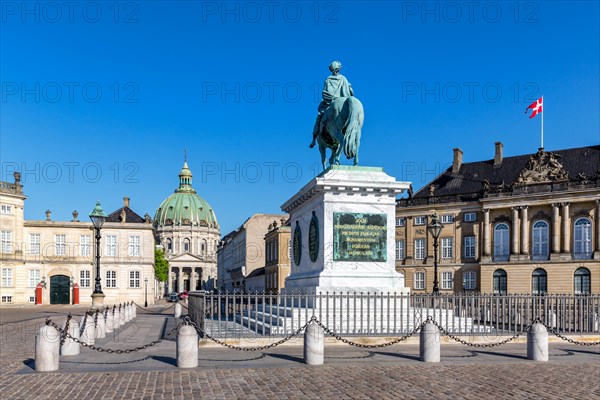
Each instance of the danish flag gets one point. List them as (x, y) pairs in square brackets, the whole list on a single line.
[(536, 106)]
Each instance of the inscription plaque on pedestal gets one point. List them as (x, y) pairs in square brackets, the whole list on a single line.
[(359, 237)]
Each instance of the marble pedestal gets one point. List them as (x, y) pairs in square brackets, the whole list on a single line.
[(343, 232)]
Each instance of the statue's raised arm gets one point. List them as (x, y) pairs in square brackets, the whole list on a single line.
[(339, 118)]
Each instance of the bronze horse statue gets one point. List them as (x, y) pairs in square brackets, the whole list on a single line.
[(341, 129)]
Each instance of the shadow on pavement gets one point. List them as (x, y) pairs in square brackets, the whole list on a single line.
[(287, 357)]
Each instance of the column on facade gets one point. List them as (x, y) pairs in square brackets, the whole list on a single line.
[(555, 229), (524, 230), (566, 228), (486, 233), (193, 279), (170, 280), (180, 280), (515, 231), (409, 246), (597, 219)]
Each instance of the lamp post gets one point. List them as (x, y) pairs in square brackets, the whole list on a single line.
[(146, 294), (98, 218), (435, 229)]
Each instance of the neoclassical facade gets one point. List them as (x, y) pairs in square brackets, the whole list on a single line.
[(59, 255), (187, 229), (523, 224)]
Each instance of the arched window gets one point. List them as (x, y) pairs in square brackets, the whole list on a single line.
[(582, 239), (540, 236), (539, 282), (203, 247), (499, 281), (582, 281), (501, 242), (186, 245), (169, 245)]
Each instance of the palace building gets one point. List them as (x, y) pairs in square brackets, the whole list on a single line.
[(522, 224), (187, 229), (60, 255)]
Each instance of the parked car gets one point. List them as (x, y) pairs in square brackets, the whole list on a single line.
[(183, 295), (173, 297)]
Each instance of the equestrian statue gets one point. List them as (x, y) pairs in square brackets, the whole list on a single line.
[(339, 120)]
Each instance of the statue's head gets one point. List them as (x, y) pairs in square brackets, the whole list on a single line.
[(335, 67)]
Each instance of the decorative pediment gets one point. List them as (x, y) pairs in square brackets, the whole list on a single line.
[(541, 168)]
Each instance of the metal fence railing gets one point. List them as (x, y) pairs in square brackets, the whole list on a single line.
[(231, 315)]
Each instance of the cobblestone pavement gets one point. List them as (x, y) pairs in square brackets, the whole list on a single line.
[(573, 372)]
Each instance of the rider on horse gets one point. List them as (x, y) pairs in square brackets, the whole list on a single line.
[(336, 85)]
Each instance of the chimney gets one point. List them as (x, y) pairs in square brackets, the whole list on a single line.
[(457, 162), (498, 155), (125, 201)]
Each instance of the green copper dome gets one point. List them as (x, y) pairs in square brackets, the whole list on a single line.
[(185, 207)]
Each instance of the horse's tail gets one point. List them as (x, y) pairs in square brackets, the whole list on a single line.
[(353, 127)]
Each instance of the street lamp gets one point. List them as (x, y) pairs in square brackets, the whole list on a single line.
[(435, 229), (146, 300), (98, 218)]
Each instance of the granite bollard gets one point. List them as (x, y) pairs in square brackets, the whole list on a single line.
[(109, 321), (122, 315), (70, 347), (47, 349), (314, 345), (88, 336), (537, 342), (134, 310), (100, 332), (429, 344), (177, 310), (187, 347)]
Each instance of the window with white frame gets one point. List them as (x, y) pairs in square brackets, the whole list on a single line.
[(60, 247), (447, 247), (5, 209), (85, 278), (34, 277), (400, 221), (134, 246), (7, 299), (34, 243), (6, 239), (400, 254), (501, 245), (447, 218), (111, 245), (134, 279), (7, 277), (419, 249), (470, 217), (111, 279), (469, 280), (539, 247), (582, 238), (446, 280), (421, 220), (469, 247), (84, 245), (420, 280)]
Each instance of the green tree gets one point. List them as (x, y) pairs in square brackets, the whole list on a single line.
[(161, 266)]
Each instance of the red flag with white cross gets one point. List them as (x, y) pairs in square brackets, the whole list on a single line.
[(536, 106)]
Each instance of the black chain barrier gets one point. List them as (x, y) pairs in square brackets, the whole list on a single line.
[(182, 305), (479, 345), (567, 339), (110, 351), (63, 337), (96, 320), (367, 346), (189, 321)]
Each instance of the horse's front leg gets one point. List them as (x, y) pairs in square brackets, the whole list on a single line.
[(336, 153), (323, 151)]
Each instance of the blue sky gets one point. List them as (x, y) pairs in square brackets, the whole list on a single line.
[(99, 99)]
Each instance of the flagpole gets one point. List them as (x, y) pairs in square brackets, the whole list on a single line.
[(543, 109)]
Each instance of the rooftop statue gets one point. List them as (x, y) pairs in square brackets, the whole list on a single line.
[(339, 119)]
